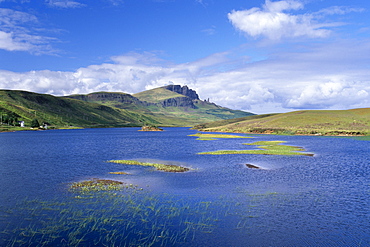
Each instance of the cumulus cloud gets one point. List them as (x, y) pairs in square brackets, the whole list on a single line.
[(17, 35), (275, 20), (275, 84), (330, 95)]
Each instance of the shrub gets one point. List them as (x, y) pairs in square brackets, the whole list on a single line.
[(35, 123)]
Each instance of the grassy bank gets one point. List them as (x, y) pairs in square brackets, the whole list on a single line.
[(355, 122)]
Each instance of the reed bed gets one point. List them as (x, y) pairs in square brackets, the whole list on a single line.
[(101, 218), (131, 217)]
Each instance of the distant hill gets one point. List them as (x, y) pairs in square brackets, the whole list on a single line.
[(313, 122), (59, 111), (157, 107), (171, 105)]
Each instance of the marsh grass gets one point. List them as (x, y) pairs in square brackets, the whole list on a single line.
[(160, 167), (211, 137), (133, 218), (265, 148)]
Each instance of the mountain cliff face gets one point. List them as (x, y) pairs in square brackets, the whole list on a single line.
[(183, 90), (178, 102), (108, 96), (122, 100)]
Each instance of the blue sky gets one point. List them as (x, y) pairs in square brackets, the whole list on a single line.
[(257, 55)]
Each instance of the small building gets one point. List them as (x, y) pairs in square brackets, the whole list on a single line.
[(21, 123)]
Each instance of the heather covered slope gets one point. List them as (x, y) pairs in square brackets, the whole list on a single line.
[(316, 122)]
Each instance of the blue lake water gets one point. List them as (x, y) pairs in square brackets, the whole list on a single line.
[(320, 200)]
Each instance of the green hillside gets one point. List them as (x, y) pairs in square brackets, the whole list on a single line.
[(61, 112), (107, 109), (315, 122), (169, 108), (156, 95)]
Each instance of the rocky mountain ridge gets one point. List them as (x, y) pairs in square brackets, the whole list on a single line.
[(184, 90), (182, 97)]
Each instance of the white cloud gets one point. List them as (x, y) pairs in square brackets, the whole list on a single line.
[(7, 42), (64, 4), (16, 35), (332, 94), (338, 10), (325, 76), (210, 31), (275, 20)]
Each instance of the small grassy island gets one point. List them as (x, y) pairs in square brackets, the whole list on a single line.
[(96, 185), (159, 167), (150, 128), (210, 137), (266, 148), (119, 173)]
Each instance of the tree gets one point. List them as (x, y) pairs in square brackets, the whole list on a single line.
[(35, 123)]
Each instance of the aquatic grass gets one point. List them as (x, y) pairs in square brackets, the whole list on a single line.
[(265, 148), (133, 218), (211, 137), (160, 167)]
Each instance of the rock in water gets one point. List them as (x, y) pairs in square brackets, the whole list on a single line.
[(150, 128), (252, 166)]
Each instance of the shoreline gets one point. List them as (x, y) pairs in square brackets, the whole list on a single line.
[(287, 134), (340, 133)]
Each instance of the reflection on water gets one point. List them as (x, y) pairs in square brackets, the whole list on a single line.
[(293, 201)]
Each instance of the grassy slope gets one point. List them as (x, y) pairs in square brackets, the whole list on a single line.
[(204, 111), (354, 122), (156, 95), (63, 111), (176, 116), (230, 121)]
